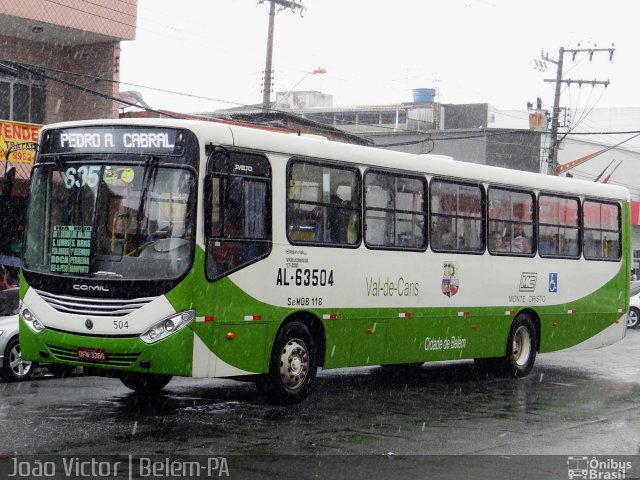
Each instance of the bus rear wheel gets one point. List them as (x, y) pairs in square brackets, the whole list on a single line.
[(145, 383), (521, 347), (521, 350), (292, 367)]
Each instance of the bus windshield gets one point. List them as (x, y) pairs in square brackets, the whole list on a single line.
[(97, 220)]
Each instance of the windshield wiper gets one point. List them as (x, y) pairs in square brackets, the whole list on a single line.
[(59, 163), (148, 178), (60, 166)]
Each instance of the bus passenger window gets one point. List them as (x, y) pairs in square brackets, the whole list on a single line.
[(511, 213), (457, 217), (323, 204), (395, 211), (558, 226), (602, 232)]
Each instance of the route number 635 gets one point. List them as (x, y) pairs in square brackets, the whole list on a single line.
[(84, 175)]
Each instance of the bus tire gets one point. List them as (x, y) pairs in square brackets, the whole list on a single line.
[(520, 352), (521, 347), (145, 383), (292, 366)]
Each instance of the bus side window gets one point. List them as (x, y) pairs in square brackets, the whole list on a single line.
[(323, 204), (558, 226), (602, 234), (395, 211), (513, 214), (457, 216)]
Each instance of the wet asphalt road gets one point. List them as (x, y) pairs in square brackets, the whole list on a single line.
[(579, 403)]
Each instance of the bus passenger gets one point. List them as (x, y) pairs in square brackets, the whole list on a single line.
[(6, 279), (521, 244), (496, 243), (443, 236), (548, 245)]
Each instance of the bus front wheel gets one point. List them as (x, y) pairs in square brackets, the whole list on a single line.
[(292, 367), (145, 383)]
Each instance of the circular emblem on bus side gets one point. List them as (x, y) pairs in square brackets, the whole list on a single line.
[(88, 323)]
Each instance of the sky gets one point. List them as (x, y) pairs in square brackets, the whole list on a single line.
[(204, 55)]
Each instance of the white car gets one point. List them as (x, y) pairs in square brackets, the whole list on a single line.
[(633, 318), (12, 367)]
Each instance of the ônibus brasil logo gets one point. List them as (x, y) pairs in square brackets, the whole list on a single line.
[(593, 468)]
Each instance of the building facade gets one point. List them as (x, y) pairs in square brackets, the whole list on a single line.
[(60, 60)]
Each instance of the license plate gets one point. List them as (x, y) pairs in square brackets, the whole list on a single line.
[(91, 354)]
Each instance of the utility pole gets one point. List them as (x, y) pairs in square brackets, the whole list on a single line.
[(554, 143), (268, 71)]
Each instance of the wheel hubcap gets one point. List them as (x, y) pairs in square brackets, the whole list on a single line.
[(294, 364), (521, 346), (19, 366), (632, 320)]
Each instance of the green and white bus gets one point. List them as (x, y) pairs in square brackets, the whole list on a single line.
[(157, 248)]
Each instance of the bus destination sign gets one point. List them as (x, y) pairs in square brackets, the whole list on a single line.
[(137, 140), (70, 249)]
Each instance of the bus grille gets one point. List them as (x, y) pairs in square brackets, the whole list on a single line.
[(113, 359), (94, 306)]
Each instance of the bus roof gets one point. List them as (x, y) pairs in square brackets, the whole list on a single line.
[(432, 165)]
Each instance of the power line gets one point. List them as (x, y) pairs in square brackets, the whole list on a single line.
[(92, 13), (111, 9), (83, 89), (478, 136)]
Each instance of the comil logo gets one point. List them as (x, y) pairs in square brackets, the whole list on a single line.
[(90, 288), (595, 468), (528, 281)]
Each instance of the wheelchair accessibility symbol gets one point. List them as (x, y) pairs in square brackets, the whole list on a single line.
[(553, 282)]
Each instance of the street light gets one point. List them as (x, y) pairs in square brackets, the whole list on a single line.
[(315, 71)]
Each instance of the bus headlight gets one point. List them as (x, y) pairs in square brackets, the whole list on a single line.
[(31, 320), (167, 326)]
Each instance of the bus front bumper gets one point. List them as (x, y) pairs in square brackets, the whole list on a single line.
[(172, 355)]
